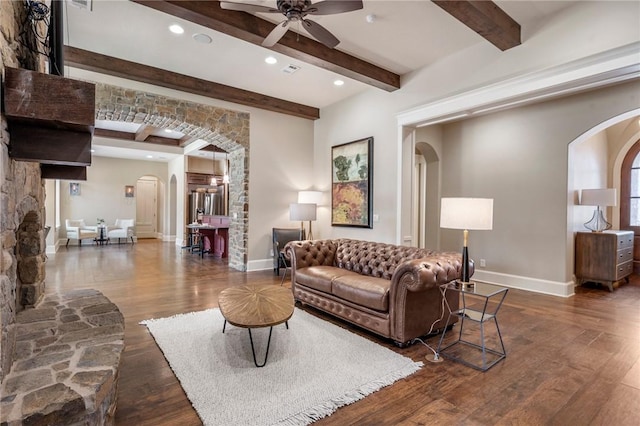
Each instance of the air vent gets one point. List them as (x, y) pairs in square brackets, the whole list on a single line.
[(290, 69), (82, 4)]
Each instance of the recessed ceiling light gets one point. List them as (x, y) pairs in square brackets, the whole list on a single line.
[(202, 38), (149, 156), (271, 60), (338, 82), (168, 130), (176, 29)]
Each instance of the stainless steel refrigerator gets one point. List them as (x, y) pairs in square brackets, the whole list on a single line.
[(206, 203)]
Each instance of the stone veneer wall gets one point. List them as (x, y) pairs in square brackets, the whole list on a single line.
[(22, 214), (224, 128)]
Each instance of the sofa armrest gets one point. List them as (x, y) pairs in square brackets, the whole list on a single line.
[(310, 253)]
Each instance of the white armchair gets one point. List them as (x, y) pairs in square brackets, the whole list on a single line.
[(78, 230), (124, 228)]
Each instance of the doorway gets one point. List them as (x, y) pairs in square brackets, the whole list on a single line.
[(147, 207), (423, 166)]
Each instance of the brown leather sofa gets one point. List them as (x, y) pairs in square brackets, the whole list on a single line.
[(390, 290)]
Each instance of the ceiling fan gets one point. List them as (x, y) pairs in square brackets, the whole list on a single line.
[(295, 11)]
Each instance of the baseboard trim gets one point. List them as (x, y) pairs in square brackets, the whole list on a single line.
[(260, 265), (553, 288)]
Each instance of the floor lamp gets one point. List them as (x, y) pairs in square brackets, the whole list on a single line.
[(467, 214), (302, 212), (600, 198), (310, 197)]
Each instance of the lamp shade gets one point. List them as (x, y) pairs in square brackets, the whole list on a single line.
[(302, 211), (310, 197), (466, 213), (598, 197)]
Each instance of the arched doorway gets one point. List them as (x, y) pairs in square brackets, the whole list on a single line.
[(173, 206), (223, 128), (426, 196), (420, 188)]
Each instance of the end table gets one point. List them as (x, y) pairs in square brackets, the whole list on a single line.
[(102, 238), (480, 303)]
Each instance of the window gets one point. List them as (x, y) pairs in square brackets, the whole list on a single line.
[(630, 190)]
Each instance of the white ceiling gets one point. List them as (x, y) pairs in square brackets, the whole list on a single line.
[(404, 36)]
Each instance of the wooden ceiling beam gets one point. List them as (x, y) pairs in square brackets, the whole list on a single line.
[(143, 133), (148, 137), (486, 19), (159, 140), (250, 28), (109, 65), (114, 134)]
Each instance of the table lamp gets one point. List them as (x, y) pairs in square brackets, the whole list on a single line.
[(467, 214), (600, 198)]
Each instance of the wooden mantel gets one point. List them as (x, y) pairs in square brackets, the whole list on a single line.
[(50, 118)]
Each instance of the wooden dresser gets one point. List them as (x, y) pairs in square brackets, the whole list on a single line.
[(604, 257)]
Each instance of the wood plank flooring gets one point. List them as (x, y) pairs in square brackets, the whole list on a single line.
[(572, 361)]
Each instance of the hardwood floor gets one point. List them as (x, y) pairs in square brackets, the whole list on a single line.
[(569, 361)]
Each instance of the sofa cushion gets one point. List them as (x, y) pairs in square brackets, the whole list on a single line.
[(319, 277), (363, 290)]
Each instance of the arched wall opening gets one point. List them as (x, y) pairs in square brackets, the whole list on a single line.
[(419, 207), (595, 161), (173, 206), (226, 129)]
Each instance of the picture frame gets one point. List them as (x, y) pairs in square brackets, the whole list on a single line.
[(129, 191), (74, 189), (352, 184)]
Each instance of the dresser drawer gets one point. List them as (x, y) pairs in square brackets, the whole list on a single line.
[(625, 239), (623, 270), (625, 255)]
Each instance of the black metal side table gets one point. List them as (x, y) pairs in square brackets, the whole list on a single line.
[(480, 304), (102, 238)]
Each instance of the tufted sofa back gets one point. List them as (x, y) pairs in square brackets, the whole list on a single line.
[(374, 259)]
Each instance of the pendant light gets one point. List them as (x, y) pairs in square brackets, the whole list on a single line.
[(214, 181), (225, 178)]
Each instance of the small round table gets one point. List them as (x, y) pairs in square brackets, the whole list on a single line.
[(255, 306)]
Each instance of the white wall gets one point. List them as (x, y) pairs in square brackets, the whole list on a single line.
[(281, 158), (102, 194), (519, 157)]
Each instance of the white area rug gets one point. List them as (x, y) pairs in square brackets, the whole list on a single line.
[(313, 368)]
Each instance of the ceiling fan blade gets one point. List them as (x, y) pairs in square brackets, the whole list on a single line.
[(320, 33), (276, 34), (330, 7), (244, 7)]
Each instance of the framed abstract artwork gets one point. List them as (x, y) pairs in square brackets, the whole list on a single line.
[(352, 183)]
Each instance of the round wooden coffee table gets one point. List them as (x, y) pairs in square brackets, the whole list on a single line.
[(255, 306)]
